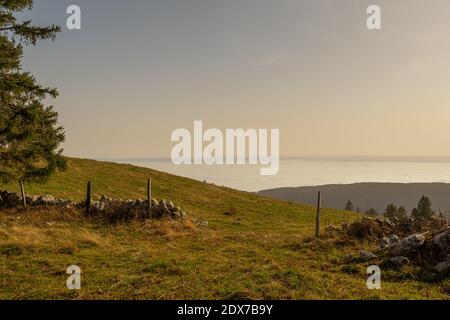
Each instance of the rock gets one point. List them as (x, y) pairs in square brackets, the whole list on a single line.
[(101, 205), (443, 267), (389, 242), (163, 207), (442, 241), (70, 205), (45, 200), (348, 258), (96, 205), (400, 261), (391, 222), (176, 215), (366, 255), (12, 200), (49, 199), (408, 245), (60, 202)]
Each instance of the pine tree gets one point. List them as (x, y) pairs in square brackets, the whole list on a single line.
[(423, 209), (401, 212), (372, 212), (349, 206), (29, 134), (391, 211)]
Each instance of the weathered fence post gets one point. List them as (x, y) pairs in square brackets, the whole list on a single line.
[(24, 199), (149, 198), (319, 200), (88, 198)]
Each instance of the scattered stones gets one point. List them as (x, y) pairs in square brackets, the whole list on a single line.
[(373, 229), (416, 241)]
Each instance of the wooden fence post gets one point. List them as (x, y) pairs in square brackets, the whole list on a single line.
[(24, 199), (149, 198), (319, 200), (88, 198)]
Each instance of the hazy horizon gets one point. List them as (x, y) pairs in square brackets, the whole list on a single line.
[(318, 158), (306, 172)]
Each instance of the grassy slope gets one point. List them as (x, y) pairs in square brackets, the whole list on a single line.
[(264, 250)]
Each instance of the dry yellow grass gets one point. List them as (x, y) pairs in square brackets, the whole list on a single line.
[(263, 250)]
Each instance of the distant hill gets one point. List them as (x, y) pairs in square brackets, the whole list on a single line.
[(368, 195)]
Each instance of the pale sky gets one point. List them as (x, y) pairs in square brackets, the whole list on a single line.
[(140, 69)]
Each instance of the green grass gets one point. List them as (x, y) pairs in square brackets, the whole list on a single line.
[(262, 250)]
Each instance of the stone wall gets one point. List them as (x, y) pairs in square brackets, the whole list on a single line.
[(117, 209), (108, 208), (11, 200)]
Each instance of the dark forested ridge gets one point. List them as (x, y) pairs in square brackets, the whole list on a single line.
[(368, 195)]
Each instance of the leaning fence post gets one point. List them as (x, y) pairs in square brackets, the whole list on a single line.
[(319, 200), (24, 199), (88, 198), (149, 198)]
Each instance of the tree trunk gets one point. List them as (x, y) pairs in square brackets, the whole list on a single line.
[(24, 199)]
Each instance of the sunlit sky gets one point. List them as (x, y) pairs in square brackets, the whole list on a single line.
[(140, 69)]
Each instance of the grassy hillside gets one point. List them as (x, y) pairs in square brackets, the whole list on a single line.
[(253, 246)]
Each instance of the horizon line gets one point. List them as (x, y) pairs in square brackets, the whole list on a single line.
[(306, 158)]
